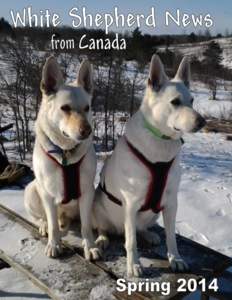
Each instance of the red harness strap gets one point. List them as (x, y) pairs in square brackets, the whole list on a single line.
[(71, 179), (159, 174)]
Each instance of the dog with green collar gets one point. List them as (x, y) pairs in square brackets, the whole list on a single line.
[(143, 173)]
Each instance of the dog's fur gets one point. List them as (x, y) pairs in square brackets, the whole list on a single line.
[(64, 120), (167, 105)]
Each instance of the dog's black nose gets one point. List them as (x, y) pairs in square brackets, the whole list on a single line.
[(200, 123), (85, 131)]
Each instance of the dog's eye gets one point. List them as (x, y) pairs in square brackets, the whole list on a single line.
[(176, 102), (86, 109), (66, 108), (191, 101)]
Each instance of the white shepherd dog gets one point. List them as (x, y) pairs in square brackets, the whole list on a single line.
[(64, 159), (142, 176)]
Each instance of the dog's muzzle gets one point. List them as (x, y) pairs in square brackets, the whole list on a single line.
[(84, 132)]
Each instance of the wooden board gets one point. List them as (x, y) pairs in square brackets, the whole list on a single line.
[(22, 288), (65, 278), (203, 261)]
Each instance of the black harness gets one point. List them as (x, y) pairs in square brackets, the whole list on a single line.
[(71, 178), (158, 178)]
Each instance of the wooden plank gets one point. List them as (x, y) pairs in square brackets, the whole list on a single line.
[(63, 278), (33, 228), (22, 288), (204, 262), (27, 273)]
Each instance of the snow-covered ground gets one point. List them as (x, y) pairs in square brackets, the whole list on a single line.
[(218, 109), (21, 289), (205, 196)]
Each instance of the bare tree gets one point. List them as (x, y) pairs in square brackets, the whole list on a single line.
[(20, 88)]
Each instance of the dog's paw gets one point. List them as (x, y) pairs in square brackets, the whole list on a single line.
[(95, 253), (134, 270), (53, 249), (151, 238), (102, 242), (177, 264), (90, 252), (43, 228)]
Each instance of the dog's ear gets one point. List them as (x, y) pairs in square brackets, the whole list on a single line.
[(52, 77), (85, 76), (183, 72), (157, 76)]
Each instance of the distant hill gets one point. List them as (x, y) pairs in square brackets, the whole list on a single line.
[(197, 49)]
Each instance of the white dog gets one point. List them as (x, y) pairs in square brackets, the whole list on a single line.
[(142, 176), (64, 159)]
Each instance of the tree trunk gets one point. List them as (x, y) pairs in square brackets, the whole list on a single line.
[(106, 104)]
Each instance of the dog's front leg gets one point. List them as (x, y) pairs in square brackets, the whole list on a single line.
[(53, 247), (90, 249), (169, 216), (133, 266)]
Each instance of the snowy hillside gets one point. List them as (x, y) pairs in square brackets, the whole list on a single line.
[(197, 49), (220, 109)]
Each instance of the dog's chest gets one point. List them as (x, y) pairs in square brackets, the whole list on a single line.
[(135, 178), (60, 181), (159, 186)]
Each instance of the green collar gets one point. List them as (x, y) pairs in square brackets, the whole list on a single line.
[(155, 131)]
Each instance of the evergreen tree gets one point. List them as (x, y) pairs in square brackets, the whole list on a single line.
[(213, 57), (5, 27), (212, 66), (192, 38)]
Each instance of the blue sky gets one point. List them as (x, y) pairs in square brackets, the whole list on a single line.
[(220, 11)]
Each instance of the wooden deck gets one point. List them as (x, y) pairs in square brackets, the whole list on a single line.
[(71, 277)]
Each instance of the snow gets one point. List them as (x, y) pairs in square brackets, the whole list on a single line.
[(21, 289), (197, 50), (66, 278), (221, 108), (101, 292), (205, 197)]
